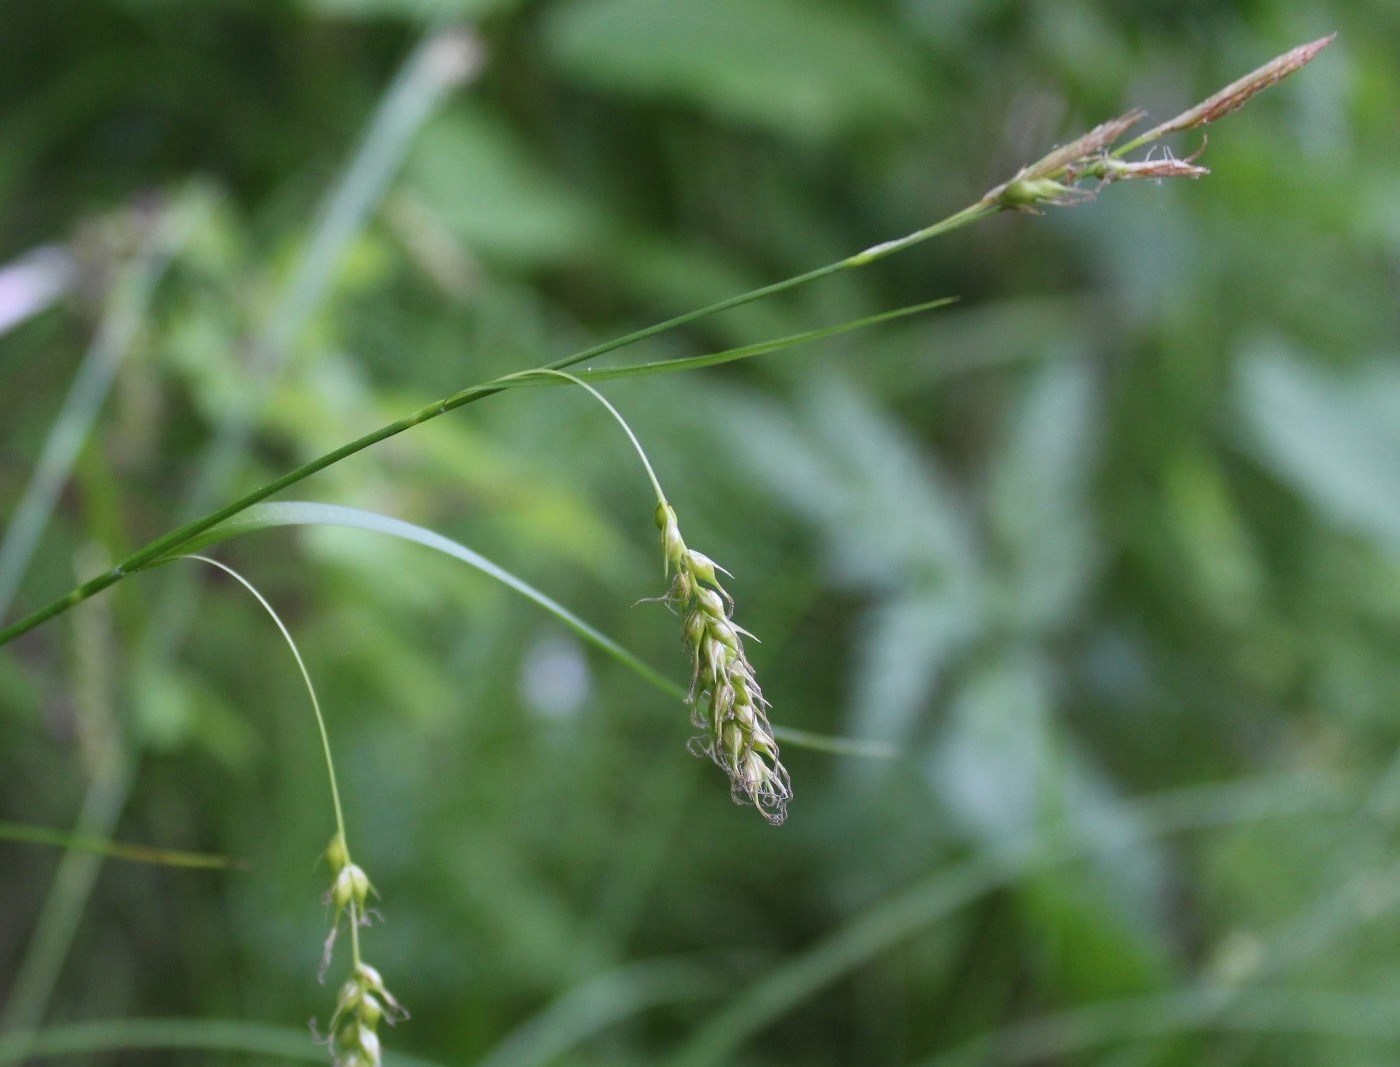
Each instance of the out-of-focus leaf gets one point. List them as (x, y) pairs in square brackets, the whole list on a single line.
[(884, 509), (470, 170), (526, 918), (996, 767), (198, 1037), (1221, 561), (893, 526), (968, 337), (1089, 943), (416, 10), (402, 669), (1334, 439), (1039, 508), (177, 708), (907, 643), (1013, 779), (808, 69), (599, 180), (595, 1004)]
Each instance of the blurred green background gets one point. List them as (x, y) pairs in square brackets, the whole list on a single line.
[(1109, 551)]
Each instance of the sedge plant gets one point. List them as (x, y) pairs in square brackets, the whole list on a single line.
[(729, 709)]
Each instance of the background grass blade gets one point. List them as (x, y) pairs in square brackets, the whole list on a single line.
[(595, 1005), (1293, 1012), (441, 60), (127, 307), (43, 835), (884, 926), (109, 1037)]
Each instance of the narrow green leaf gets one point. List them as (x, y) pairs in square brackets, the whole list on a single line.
[(310, 513), (733, 355)]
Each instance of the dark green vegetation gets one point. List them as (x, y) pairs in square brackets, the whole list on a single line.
[(1108, 550)]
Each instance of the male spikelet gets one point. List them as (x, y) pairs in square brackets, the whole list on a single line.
[(727, 703), (1052, 179)]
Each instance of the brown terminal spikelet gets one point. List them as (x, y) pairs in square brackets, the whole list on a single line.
[(1235, 95)]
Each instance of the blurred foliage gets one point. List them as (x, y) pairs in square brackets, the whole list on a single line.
[(1110, 550)]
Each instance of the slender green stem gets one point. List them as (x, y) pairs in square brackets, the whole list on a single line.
[(970, 214), (443, 59), (305, 677), (175, 539), (835, 746), (315, 707), (1226, 100), (641, 452)]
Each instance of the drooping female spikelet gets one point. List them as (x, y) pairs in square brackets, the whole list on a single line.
[(727, 705)]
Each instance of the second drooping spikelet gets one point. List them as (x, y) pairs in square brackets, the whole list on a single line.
[(363, 1001), (727, 704)]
